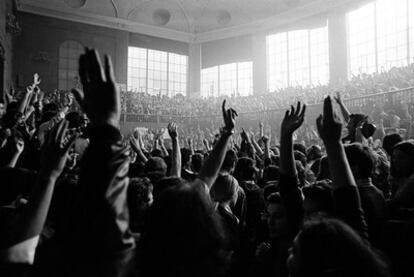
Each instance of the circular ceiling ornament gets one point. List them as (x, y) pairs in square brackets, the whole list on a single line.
[(161, 17), (223, 18), (75, 4)]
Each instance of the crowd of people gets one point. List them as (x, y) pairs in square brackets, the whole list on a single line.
[(360, 85), (78, 198)]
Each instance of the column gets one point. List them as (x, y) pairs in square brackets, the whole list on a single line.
[(194, 70), (259, 63), (338, 47)]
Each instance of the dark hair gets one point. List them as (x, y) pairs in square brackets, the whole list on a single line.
[(299, 147), (271, 173), (229, 161), (156, 153), (321, 193), (139, 199), (406, 147), (75, 119), (360, 156), (184, 236), (329, 247), (313, 152), (299, 156), (197, 161), (390, 141), (245, 170), (274, 198), (185, 156)]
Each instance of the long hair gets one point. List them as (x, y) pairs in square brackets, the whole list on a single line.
[(184, 236), (329, 247)]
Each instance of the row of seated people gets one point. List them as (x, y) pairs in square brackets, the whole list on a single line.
[(362, 84), (78, 198)]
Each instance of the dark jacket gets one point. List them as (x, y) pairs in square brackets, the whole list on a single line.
[(99, 238)]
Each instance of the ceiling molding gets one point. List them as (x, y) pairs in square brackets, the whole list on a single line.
[(259, 26), (115, 8), (104, 21), (272, 23)]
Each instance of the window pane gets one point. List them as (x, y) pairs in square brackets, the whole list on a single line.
[(209, 82), (298, 58), (319, 45), (391, 33), (228, 79), (69, 53), (361, 25), (277, 61), (245, 78)]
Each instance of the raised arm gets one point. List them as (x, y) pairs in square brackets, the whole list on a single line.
[(18, 146), (135, 142), (330, 128), (346, 195), (266, 142), (190, 145), (99, 238), (176, 152), (212, 164), (256, 146), (344, 110), (291, 122), (20, 244)]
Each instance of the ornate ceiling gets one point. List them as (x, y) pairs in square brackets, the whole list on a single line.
[(184, 20)]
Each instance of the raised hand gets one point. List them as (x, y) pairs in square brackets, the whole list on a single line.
[(265, 139), (293, 119), (19, 145), (338, 98), (229, 117), (36, 80), (244, 136), (55, 150), (172, 130), (100, 98), (190, 142), (329, 126), (134, 142)]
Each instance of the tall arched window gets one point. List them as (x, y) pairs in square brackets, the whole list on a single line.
[(69, 53)]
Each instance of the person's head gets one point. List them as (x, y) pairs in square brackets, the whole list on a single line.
[(74, 119), (229, 161), (139, 199), (329, 247), (313, 153), (156, 153), (155, 169), (361, 160), (183, 234), (390, 141), (271, 173), (224, 189), (402, 159), (354, 120), (185, 157), (299, 156), (299, 147), (276, 216), (245, 170), (318, 198), (197, 161)]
